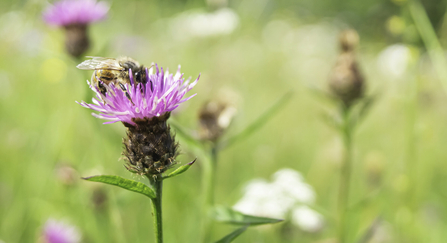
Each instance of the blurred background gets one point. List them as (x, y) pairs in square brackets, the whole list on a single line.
[(252, 52)]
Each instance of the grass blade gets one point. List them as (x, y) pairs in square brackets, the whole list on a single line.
[(430, 40), (227, 215), (233, 235), (258, 123)]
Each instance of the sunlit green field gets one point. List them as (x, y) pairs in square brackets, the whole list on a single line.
[(399, 176)]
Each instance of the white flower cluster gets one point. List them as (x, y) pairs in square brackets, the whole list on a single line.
[(286, 196), (199, 24)]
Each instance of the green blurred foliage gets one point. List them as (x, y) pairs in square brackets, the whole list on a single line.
[(399, 174)]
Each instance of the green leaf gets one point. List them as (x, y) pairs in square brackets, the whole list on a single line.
[(227, 215), (360, 111), (127, 184), (321, 94), (258, 123), (233, 235), (179, 170)]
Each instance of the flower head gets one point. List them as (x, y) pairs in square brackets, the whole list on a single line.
[(161, 93), (58, 232), (75, 12), (144, 108)]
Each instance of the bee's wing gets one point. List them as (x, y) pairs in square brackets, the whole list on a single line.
[(96, 63)]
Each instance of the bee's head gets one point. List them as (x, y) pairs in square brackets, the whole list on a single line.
[(140, 76)]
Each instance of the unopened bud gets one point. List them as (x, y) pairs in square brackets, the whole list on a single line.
[(215, 118), (349, 39), (346, 81)]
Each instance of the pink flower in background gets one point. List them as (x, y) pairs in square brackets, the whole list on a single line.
[(80, 12), (59, 232), (161, 93)]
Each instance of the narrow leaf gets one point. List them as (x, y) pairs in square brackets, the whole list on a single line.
[(179, 170), (360, 111), (233, 235), (258, 123), (127, 184), (227, 215)]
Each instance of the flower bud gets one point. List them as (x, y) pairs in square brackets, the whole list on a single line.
[(349, 39), (214, 119), (346, 81)]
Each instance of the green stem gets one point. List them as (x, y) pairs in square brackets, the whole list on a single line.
[(209, 179), (212, 176), (430, 39), (157, 185), (345, 175)]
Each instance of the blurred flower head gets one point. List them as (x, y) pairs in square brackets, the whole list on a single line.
[(59, 232), (214, 118), (197, 24), (394, 61), (161, 93), (346, 81), (75, 12), (75, 16), (307, 219), (286, 196)]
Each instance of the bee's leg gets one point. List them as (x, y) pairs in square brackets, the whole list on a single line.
[(123, 88), (101, 88)]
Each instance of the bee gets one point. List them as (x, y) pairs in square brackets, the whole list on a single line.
[(113, 70)]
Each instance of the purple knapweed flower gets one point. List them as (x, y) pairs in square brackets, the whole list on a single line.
[(69, 12), (75, 16), (162, 92), (59, 232), (144, 108)]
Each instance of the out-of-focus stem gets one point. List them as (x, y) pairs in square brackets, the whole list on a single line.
[(428, 35), (157, 185), (208, 180), (345, 176)]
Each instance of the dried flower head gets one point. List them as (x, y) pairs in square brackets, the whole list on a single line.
[(144, 109), (75, 16), (59, 232), (214, 118), (346, 81)]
